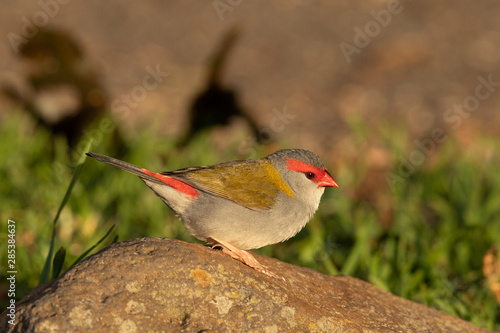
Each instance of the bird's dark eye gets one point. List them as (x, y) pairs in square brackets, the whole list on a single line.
[(310, 175)]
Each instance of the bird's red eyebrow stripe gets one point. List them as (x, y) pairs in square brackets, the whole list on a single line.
[(174, 183), (300, 166)]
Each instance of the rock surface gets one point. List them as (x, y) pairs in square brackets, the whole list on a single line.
[(155, 284)]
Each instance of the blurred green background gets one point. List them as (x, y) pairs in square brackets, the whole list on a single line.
[(417, 212)]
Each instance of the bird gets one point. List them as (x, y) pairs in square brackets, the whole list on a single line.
[(241, 205)]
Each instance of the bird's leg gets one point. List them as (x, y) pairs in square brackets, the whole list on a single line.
[(243, 256)]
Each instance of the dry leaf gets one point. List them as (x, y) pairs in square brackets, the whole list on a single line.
[(491, 270)]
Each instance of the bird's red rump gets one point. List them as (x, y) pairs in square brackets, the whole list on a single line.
[(174, 183), (321, 176)]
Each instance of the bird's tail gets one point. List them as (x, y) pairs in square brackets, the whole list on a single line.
[(123, 165)]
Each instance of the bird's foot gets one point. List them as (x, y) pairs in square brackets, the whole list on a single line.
[(244, 256)]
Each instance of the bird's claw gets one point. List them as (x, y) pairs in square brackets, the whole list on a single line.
[(245, 257)]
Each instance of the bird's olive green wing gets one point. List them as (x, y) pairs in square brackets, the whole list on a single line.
[(254, 184)]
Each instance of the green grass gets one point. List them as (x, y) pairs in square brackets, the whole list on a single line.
[(423, 240)]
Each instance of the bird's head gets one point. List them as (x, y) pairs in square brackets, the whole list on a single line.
[(304, 172)]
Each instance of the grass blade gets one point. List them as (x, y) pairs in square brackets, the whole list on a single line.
[(84, 254), (57, 263), (44, 276)]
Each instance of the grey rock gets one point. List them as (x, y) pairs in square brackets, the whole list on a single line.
[(163, 285)]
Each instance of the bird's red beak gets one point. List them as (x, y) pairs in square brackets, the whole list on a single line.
[(327, 181)]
